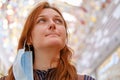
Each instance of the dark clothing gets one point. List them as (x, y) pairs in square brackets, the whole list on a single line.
[(41, 75), (86, 77)]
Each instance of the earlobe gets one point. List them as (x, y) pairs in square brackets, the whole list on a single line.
[(29, 41)]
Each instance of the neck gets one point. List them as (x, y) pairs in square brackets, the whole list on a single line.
[(46, 59)]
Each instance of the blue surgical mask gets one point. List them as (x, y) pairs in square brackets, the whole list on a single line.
[(23, 66)]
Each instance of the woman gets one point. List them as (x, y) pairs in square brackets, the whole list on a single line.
[(45, 32)]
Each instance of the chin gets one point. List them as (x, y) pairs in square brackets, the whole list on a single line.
[(56, 44)]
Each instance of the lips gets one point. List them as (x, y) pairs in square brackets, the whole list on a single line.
[(52, 34)]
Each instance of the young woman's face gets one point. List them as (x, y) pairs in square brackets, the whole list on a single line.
[(49, 30)]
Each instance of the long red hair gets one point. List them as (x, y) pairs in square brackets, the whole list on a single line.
[(65, 70)]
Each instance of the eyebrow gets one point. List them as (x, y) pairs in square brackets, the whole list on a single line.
[(45, 16)]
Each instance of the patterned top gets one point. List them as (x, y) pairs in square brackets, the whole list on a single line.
[(86, 77), (41, 75)]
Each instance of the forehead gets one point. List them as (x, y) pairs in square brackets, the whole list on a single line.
[(49, 12)]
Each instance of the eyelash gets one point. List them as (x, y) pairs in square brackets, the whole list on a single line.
[(42, 20), (59, 21)]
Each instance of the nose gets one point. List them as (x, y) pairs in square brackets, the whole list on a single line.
[(52, 26)]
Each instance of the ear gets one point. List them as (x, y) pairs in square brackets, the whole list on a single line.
[(29, 40)]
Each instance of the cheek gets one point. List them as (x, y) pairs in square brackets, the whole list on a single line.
[(38, 30), (63, 32), (37, 33), (37, 38)]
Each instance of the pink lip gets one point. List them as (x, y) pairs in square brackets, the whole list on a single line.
[(52, 34)]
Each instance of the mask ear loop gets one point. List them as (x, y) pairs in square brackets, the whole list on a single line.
[(29, 48), (25, 44)]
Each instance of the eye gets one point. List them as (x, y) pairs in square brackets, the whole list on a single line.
[(41, 20), (58, 21)]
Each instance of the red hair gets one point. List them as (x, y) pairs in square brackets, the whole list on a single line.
[(65, 70)]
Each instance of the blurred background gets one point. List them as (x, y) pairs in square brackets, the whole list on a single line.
[(94, 34)]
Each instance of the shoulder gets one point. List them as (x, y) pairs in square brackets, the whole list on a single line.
[(85, 77), (2, 78)]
